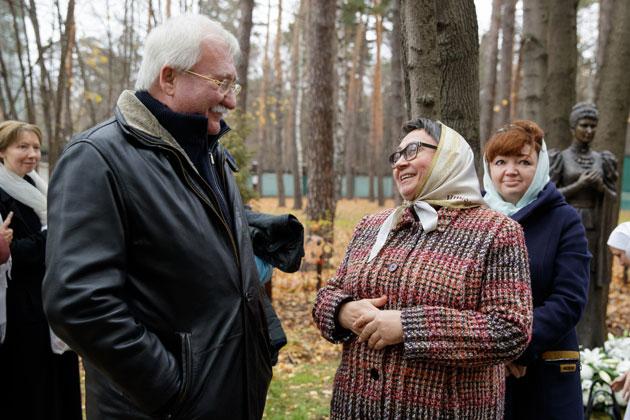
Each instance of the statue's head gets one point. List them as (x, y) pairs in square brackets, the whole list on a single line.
[(583, 121)]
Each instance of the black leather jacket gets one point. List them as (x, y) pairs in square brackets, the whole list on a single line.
[(146, 281)]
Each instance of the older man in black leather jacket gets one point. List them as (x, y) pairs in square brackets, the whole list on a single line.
[(150, 269)]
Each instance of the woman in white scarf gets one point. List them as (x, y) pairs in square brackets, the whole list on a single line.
[(544, 382), (35, 382), (432, 297)]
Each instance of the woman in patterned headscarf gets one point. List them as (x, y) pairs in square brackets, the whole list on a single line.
[(432, 298)]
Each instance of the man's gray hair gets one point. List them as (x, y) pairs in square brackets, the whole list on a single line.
[(433, 128), (177, 43)]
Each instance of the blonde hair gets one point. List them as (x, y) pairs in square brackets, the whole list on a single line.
[(10, 131)]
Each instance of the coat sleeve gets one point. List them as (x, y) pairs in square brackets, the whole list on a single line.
[(563, 307), (497, 331), (84, 286), (330, 297)]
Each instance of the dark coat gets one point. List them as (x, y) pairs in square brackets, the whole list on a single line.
[(559, 262), (148, 282), (34, 382)]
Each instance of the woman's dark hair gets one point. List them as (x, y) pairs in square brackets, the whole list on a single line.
[(510, 140), (433, 128)]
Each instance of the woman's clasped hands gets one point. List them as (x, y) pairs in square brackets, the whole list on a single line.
[(380, 328)]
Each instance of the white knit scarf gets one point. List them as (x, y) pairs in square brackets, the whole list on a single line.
[(451, 181), (24, 192)]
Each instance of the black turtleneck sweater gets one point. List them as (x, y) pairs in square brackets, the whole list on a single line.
[(191, 133)]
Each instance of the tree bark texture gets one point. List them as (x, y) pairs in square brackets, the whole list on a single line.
[(561, 71), (396, 101), (504, 85), (604, 24), (421, 58), (292, 115), (355, 88), (376, 128), (535, 18), (244, 35), (321, 203), (488, 85), (57, 142), (459, 66)]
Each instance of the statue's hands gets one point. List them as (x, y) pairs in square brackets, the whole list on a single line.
[(593, 178), (351, 311)]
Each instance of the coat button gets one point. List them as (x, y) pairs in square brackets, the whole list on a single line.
[(374, 374), (248, 296), (392, 267)]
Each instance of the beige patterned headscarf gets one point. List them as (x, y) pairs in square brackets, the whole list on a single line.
[(451, 181)]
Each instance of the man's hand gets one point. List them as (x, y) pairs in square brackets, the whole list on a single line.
[(353, 310), (622, 383), (518, 371), (5, 231), (380, 328)]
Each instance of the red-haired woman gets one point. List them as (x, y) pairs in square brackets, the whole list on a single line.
[(544, 383)]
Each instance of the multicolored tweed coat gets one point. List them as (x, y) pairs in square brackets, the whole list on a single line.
[(464, 292)]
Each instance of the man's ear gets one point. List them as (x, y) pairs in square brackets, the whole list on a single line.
[(167, 80)]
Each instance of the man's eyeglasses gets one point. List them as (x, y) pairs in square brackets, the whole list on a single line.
[(224, 86), (409, 152)]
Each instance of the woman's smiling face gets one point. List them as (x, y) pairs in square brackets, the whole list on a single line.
[(409, 174), (23, 155)]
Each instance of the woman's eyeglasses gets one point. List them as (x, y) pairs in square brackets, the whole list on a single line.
[(409, 152)]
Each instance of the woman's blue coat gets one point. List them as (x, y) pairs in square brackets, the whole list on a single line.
[(559, 263)]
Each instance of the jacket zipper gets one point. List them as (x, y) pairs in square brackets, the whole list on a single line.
[(200, 194)]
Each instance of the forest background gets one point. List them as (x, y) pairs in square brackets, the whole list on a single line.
[(326, 87)]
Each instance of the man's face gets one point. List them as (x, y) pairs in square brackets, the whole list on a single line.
[(195, 95)]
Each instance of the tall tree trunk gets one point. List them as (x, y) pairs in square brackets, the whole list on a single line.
[(62, 84), (30, 114), (29, 62), (86, 85), (504, 85), (420, 58), (490, 73), (614, 105), (561, 71), (321, 194), (604, 25), (292, 115), (397, 103), (355, 86), (517, 80), (535, 19), (44, 78), (244, 34), (340, 100), (263, 112), (279, 112), (459, 89), (376, 126), (7, 87)]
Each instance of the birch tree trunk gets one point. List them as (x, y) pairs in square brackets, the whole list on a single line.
[(397, 103), (278, 111)]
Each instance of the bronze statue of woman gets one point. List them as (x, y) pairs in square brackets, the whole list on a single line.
[(587, 179)]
